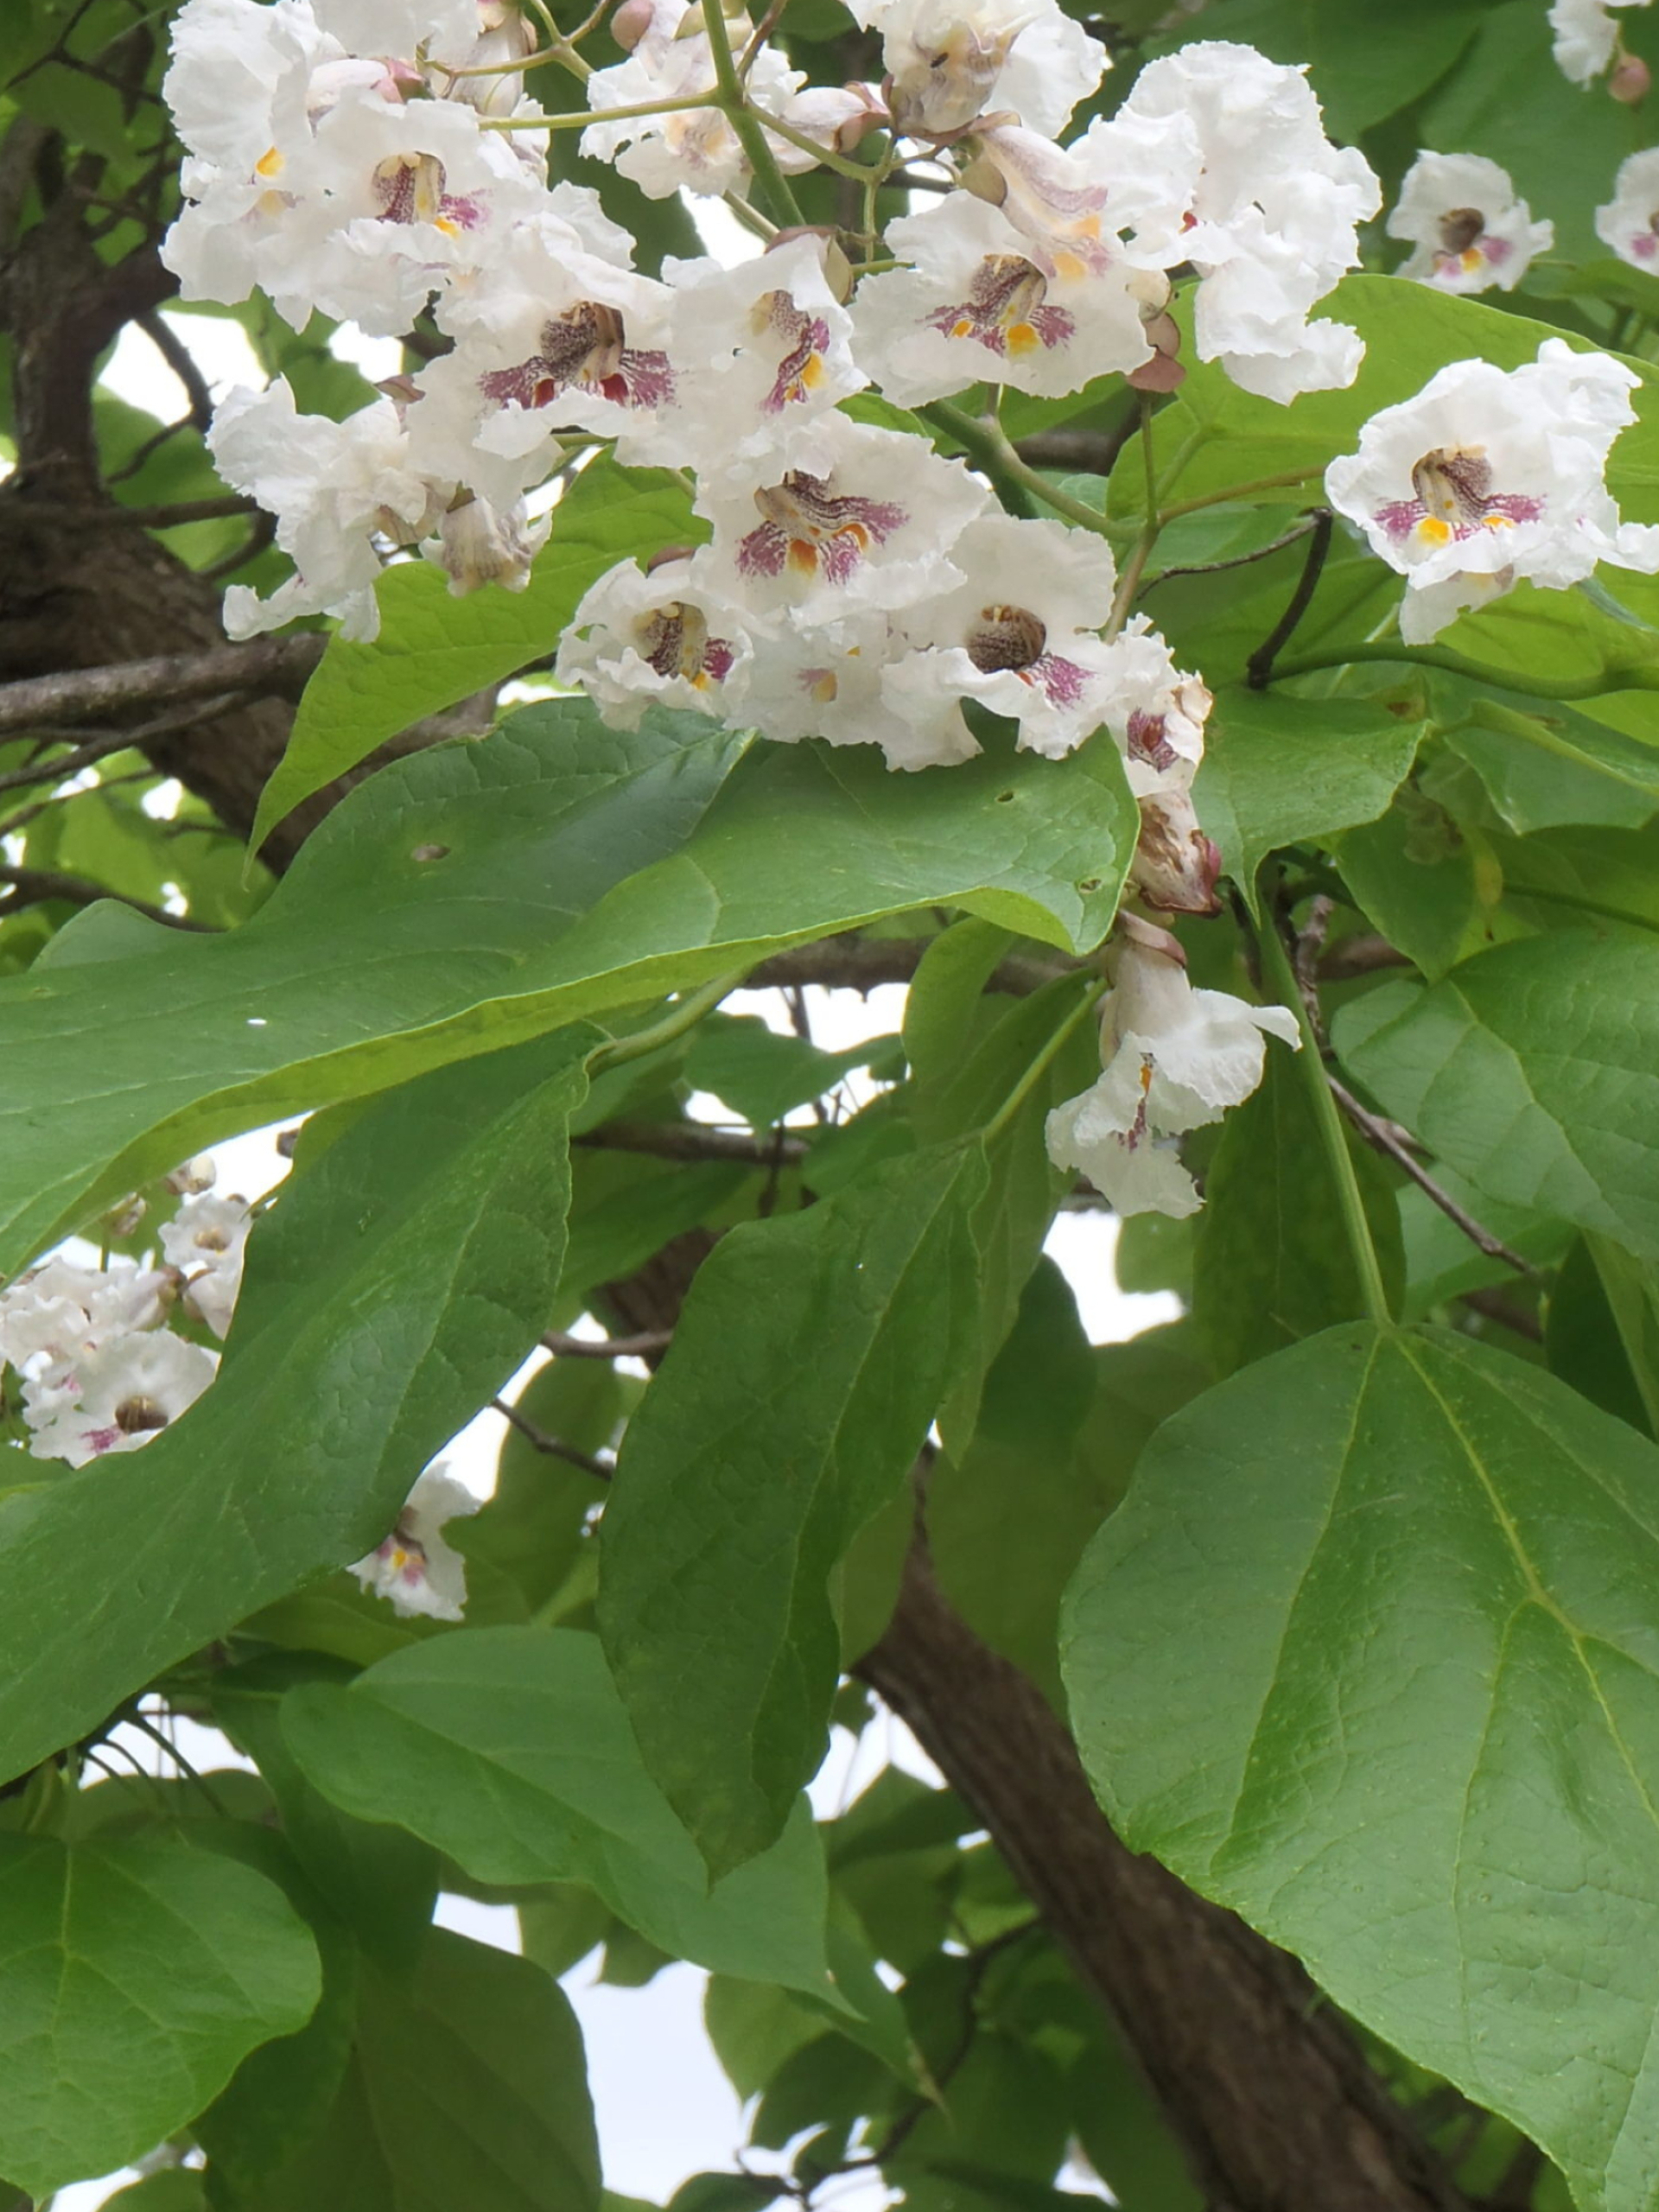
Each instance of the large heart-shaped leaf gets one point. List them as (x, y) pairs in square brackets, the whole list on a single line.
[(812, 1353), (1534, 1071), (134, 1976), (479, 893), (1370, 1653), (401, 1277), (509, 1748)]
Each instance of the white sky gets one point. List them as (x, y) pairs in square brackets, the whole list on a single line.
[(664, 2108)]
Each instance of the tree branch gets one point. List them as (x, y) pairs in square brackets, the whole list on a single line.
[(1268, 2093), (555, 1447), (34, 886), (650, 1344), (859, 963), (266, 665), (690, 1140)]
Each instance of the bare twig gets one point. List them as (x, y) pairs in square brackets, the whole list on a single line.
[(1359, 956), (690, 1140), (183, 364), (34, 886), (555, 1447), (1495, 1307), (169, 515), (267, 664), (96, 746), (859, 963), (644, 1346), (1258, 669), (1304, 528), (1088, 453), (1382, 1136)]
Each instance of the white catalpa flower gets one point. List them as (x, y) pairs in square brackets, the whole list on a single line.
[(1156, 713), (205, 1241), (1488, 475), (504, 34), (949, 60), (333, 487), (1586, 35), (1630, 222), (668, 638), (1470, 232), (697, 150), (761, 348), (826, 681), (865, 520), (1174, 1058), (239, 83), (384, 203), (414, 1567), (557, 338), (1271, 218), (975, 306), (1019, 634), (116, 1398), (62, 1313), (401, 29)]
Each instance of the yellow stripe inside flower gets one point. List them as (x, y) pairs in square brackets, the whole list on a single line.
[(270, 164)]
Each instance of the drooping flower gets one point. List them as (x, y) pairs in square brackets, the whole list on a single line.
[(335, 488), (668, 637), (1019, 633), (1175, 867), (977, 307), (1470, 232), (1488, 475), (864, 519), (205, 1241), (1155, 712), (1174, 1059), (477, 544), (1271, 215), (949, 60), (1630, 221), (826, 681), (116, 1398), (421, 1574), (761, 348), (1586, 35)]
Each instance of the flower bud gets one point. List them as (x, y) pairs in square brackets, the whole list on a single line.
[(192, 1177), (478, 544), (837, 270), (1175, 866), (631, 21), (1631, 80)]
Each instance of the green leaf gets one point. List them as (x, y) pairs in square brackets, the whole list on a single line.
[(178, 2188), (1272, 1262), (735, 1497), (393, 1288), (1581, 1337), (467, 2087), (1278, 769), (1632, 1290), (1368, 1655), (434, 649), (133, 1976), (562, 869), (508, 1748), (1545, 765), (1413, 873), (760, 1074), (1534, 1071)]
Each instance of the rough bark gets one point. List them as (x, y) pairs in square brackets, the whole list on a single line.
[(1272, 2101)]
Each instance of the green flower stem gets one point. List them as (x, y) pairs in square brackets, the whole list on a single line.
[(1287, 479), (743, 119), (857, 171), (1276, 967), (1614, 676), (683, 1015), (1134, 567), (989, 448), (1039, 1067), (579, 118)]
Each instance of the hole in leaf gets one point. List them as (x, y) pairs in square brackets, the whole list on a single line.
[(431, 853), (1002, 798), (1089, 883)]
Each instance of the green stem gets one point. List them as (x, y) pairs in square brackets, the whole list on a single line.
[(857, 170), (989, 448), (1039, 1067), (1134, 567), (1286, 479), (579, 118), (684, 1015), (1610, 676), (1277, 966), (743, 119)]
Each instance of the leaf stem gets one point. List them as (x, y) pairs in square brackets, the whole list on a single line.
[(742, 118), (1287, 479), (1039, 1067), (1617, 676), (988, 447), (579, 118), (1258, 669), (683, 1015), (1134, 567), (1277, 969)]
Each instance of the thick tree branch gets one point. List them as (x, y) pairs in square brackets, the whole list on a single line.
[(266, 665), (34, 886), (859, 963), (1268, 2093), (690, 1140)]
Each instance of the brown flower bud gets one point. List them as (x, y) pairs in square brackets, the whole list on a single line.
[(1631, 80), (1175, 866), (631, 21)]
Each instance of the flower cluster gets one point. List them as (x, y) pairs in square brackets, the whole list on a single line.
[(102, 1367), (1586, 36)]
